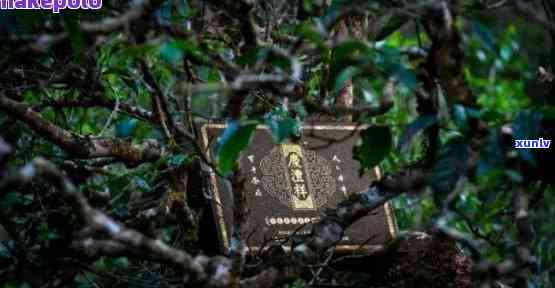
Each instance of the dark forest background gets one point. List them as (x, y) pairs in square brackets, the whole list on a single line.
[(100, 154)]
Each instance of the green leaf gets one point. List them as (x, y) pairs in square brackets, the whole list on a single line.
[(86, 129), (192, 49), (10, 199), (312, 34), (171, 52), (462, 114), (376, 145), (14, 199), (4, 251), (285, 129), (120, 262), (235, 138), (282, 125), (165, 11), (405, 75), (126, 128), (351, 50), (345, 75), (419, 124), (179, 160), (449, 167), (485, 35), (391, 62), (125, 53), (349, 53)]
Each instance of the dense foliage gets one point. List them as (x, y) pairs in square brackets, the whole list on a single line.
[(99, 143)]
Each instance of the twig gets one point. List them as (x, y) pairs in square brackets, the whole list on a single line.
[(44, 42), (330, 229), (159, 104), (112, 116), (369, 111), (97, 101), (321, 268), (78, 145), (122, 240)]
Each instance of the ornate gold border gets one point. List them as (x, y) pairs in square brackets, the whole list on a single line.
[(218, 210)]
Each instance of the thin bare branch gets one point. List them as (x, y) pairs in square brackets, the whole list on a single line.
[(330, 229), (78, 145)]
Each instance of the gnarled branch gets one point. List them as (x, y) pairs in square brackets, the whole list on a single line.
[(78, 145), (330, 229)]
